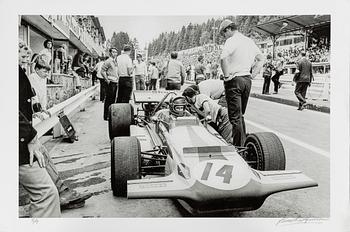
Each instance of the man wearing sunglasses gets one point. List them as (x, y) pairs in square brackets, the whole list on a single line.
[(241, 60)]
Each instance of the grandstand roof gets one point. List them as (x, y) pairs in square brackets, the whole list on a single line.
[(293, 23)]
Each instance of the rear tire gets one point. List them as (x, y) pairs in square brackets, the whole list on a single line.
[(125, 163), (265, 152), (121, 116)]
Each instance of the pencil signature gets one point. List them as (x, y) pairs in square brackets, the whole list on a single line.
[(35, 221), (293, 221)]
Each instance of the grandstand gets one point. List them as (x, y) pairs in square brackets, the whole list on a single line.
[(311, 30)]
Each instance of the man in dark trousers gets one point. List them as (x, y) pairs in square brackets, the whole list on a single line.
[(279, 66), (241, 60), (109, 72), (267, 73), (303, 79), (125, 69), (199, 70)]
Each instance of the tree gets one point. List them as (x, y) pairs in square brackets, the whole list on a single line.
[(119, 40), (180, 39), (170, 38), (193, 35), (205, 38)]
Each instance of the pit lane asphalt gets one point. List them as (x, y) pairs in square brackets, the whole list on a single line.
[(85, 165)]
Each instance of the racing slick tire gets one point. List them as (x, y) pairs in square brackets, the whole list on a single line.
[(265, 152), (121, 116), (125, 163)]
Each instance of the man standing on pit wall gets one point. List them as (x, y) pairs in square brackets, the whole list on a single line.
[(109, 72), (175, 73), (241, 60), (125, 75), (140, 72), (303, 79)]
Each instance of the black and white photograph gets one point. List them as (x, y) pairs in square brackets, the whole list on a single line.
[(240, 117)]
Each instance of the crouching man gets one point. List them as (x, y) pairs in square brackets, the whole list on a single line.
[(212, 111)]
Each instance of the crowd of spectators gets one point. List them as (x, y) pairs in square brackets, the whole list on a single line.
[(319, 54), (315, 53)]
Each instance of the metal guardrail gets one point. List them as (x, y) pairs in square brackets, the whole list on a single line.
[(68, 106), (321, 84), (324, 67), (318, 78)]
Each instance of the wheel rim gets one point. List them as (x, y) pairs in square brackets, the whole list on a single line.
[(252, 156)]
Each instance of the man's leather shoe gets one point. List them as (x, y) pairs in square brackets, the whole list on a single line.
[(303, 106), (73, 205), (72, 196)]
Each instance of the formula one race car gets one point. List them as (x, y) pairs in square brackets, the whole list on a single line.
[(166, 150)]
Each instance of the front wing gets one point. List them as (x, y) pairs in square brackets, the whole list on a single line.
[(204, 198)]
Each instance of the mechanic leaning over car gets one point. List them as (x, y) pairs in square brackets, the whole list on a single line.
[(213, 88), (213, 112), (241, 60)]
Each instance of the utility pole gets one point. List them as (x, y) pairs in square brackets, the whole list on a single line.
[(214, 34)]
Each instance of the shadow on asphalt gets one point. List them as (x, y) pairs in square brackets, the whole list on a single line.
[(185, 213)]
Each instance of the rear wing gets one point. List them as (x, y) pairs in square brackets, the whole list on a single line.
[(153, 96)]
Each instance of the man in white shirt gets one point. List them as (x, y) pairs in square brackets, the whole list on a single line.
[(125, 75), (101, 79), (140, 70), (153, 75), (38, 81), (241, 60)]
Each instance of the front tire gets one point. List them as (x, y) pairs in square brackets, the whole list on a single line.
[(121, 116), (265, 152), (125, 163)]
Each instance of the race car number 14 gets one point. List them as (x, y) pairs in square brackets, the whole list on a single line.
[(221, 174)]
